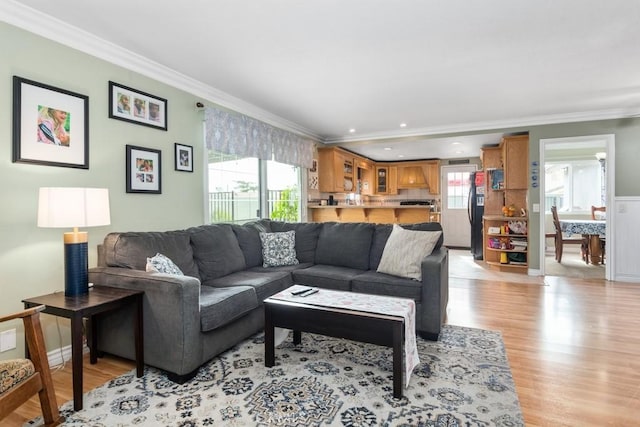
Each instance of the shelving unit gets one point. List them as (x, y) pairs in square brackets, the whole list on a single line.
[(506, 185)]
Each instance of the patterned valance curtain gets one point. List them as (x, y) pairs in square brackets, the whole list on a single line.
[(229, 132)]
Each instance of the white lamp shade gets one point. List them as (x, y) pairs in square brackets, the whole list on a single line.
[(65, 207)]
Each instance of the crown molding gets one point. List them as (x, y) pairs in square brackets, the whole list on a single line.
[(585, 116), (36, 22)]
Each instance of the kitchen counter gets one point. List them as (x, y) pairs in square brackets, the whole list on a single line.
[(384, 214)]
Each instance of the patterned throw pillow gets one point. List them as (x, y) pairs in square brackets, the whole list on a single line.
[(404, 250), (162, 264), (279, 249)]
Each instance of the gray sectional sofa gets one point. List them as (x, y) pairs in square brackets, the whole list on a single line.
[(217, 303)]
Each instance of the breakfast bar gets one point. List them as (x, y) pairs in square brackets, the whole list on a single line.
[(383, 214)]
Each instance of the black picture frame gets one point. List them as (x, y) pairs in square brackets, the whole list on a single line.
[(134, 106), (50, 125), (144, 170), (183, 157)]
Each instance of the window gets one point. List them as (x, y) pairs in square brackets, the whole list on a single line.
[(458, 186), (237, 190), (573, 185)]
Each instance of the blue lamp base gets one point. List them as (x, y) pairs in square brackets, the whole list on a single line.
[(76, 266)]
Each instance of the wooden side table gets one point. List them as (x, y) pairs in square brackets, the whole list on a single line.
[(100, 299)]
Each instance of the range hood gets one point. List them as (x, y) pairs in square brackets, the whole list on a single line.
[(412, 176)]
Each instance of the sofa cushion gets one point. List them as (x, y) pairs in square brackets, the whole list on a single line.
[(219, 306), (307, 234), (404, 251), (264, 283), (278, 248), (371, 282), (248, 236), (131, 249), (326, 276), (162, 264), (216, 251), (345, 244), (383, 231)]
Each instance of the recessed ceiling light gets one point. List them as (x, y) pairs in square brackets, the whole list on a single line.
[(387, 148), (403, 125), (352, 130), (455, 143), (400, 155), (459, 152)]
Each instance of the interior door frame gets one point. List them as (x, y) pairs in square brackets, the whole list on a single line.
[(609, 140)]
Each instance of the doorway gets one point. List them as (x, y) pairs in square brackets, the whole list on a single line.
[(574, 153), (455, 198)]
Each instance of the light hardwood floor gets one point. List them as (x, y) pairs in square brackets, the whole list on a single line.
[(573, 344)]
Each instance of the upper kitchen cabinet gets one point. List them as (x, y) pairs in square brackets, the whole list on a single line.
[(515, 155), (335, 170), (364, 170), (386, 179)]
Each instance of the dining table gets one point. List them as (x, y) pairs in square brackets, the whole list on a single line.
[(595, 229)]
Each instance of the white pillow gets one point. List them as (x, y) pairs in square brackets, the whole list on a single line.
[(279, 249), (403, 252), (162, 264)]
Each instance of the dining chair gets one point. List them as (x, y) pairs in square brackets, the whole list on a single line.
[(24, 378), (595, 209), (594, 216), (560, 241)]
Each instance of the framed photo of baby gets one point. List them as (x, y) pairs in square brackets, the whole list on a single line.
[(50, 125), (143, 170), (138, 107)]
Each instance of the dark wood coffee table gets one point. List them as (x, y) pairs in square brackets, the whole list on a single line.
[(100, 299), (373, 328)]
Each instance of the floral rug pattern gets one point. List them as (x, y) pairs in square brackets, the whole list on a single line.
[(464, 379)]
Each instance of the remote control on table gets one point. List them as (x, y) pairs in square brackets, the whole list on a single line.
[(308, 292), (301, 291)]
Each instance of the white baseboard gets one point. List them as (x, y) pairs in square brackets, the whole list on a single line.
[(61, 355)]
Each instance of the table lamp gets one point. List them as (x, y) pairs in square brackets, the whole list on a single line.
[(67, 207)]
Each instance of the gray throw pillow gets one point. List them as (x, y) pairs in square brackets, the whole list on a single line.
[(279, 249), (404, 251), (162, 264)]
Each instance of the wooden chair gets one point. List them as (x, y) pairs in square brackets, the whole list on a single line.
[(603, 242), (595, 209), (560, 241), (23, 378)]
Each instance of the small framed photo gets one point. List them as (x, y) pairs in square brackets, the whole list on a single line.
[(50, 125), (138, 107), (143, 170), (184, 158)]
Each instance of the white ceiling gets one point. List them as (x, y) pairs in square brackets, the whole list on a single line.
[(323, 67)]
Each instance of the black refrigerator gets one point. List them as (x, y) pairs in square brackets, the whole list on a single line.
[(476, 210)]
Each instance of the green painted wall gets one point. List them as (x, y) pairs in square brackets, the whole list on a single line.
[(31, 258)]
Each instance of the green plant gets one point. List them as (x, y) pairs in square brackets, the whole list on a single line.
[(286, 209)]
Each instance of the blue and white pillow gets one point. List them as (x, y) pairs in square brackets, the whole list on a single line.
[(279, 249), (162, 264)]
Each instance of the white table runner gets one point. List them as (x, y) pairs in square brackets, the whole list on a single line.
[(378, 304)]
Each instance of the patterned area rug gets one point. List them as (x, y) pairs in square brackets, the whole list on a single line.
[(463, 380)]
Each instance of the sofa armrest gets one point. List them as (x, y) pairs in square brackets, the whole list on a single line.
[(171, 318), (435, 292)]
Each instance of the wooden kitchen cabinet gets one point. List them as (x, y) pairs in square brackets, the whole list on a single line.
[(386, 180), (364, 171), (433, 177), (506, 184), (515, 157), (335, 171)]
